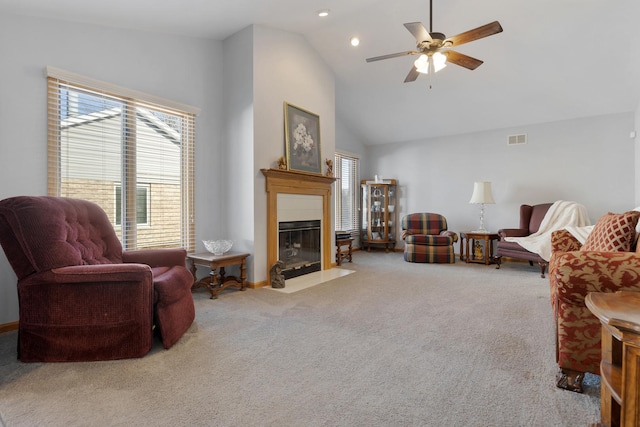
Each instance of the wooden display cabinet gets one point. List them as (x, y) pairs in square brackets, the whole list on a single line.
[(379, 214)]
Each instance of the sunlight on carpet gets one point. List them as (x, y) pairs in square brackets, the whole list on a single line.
[(308, 280)]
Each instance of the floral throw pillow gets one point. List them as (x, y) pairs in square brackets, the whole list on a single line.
[(613, 233)]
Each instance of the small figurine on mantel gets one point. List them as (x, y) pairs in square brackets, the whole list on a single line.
[(282, 163), (329, 163), (277, 278)]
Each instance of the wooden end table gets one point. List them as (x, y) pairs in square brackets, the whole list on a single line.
[(343, 253), (473, 236), (619, 314), (217, 281)]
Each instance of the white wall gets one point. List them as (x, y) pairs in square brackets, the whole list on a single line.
[(286, 68), (347, 142), (181, 69), (589, 160), (237, 154), (636, 129)]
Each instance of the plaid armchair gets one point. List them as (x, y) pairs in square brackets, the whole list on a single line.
[(427, 239)]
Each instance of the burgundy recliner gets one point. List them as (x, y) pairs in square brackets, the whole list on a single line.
[(82, 298), (530, 219)]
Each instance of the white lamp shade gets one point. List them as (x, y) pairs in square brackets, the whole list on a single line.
[(482, 193)]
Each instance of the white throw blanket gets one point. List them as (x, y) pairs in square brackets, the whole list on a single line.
[(581, 233), (561, 214)]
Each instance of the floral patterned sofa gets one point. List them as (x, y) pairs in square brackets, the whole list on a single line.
[(606, 262)]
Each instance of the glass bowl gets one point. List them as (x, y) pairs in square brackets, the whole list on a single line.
[(218, 247)]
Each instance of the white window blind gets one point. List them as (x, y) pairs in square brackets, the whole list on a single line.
[(346, 194), (132, 157)]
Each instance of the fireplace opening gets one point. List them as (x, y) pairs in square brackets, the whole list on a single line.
[(299, 247)]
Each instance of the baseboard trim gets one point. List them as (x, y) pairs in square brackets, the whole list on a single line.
[(256, 285), (8, 327)]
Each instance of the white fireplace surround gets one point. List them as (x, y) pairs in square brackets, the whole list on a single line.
[(299, 207)]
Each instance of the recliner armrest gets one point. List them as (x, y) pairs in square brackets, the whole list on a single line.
[(98, 273), (512, 232), (157, 257), (119, 295)]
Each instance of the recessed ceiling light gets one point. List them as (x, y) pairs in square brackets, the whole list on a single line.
[(324, 12), (355, 41)]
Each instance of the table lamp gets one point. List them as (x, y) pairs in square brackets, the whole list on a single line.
[(482, 195)]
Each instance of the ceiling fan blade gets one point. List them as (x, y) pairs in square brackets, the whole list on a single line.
[(475, 34), (419, 31), (392, 55), (462, 60), (412, 76)]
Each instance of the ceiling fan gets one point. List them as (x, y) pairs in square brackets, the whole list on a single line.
[(434, 48)]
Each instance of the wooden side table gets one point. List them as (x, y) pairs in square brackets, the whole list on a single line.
[(619, 314), (343, 253), (217, 281), (487, 250)]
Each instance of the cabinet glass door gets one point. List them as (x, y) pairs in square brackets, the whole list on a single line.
[(365, 220), (377, 212), (391, 206), (378, 204)]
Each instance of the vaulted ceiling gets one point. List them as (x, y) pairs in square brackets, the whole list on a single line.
[(555, 60)]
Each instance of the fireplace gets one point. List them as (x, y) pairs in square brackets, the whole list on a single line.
[(298, 196), (299, 247)]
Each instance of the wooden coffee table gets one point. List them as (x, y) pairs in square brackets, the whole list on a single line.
[(217, 280)]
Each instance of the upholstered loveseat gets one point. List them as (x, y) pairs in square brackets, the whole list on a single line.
[(531, 217), (602, 264)]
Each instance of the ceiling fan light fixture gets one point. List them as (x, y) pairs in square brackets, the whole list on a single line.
[(355, 41), (429, 44), (421, 63), (438, 60)]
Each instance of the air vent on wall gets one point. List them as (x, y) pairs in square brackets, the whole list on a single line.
[(517, 139)]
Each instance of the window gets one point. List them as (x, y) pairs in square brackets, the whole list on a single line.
[(142, 205), (130, 153), (346, 194)]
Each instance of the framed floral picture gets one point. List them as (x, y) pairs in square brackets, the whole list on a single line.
[(302, 139)]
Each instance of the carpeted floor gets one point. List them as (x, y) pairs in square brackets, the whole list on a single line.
[(394, 344)]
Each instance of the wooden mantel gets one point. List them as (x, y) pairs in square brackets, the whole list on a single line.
[(293, 182), (289, 176)]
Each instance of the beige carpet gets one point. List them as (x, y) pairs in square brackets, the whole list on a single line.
[(394, 344)]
